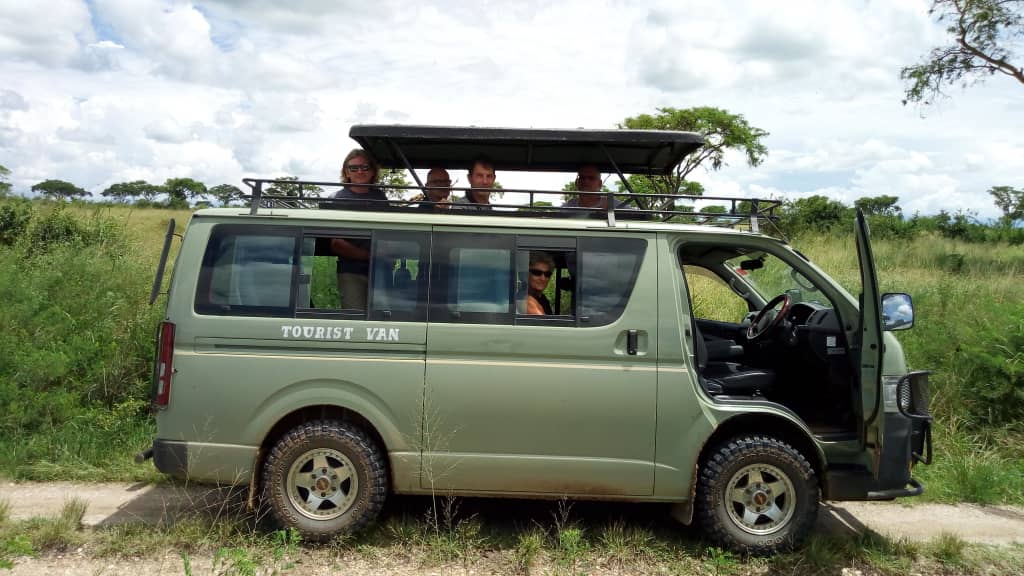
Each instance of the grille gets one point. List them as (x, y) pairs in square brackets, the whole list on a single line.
[(913, 394)]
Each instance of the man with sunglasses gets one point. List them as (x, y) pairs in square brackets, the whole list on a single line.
[(542, 266), (436, 196)]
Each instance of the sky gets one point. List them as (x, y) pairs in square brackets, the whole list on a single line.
[(97, 92)]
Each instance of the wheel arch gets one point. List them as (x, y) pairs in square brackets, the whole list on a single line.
[(308, 414), (763, 424)]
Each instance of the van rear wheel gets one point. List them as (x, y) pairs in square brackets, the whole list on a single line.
[(757, 495), (324, 478)]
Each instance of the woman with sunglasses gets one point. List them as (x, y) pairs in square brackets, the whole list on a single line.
[(542, 266), (358, 172)]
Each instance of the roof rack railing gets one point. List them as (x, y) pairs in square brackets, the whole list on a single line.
[(621, 205)]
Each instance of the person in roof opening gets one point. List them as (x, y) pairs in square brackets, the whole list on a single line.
[(588, 179), (542, 266), (436, 197), (481, 180), (358, 173)]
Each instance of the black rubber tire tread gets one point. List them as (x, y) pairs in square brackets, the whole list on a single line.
[(718, 469), (366, 458)]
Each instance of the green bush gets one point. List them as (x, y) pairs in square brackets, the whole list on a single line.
[(15, 214), (75, 344)]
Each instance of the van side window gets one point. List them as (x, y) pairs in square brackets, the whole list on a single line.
[(545, 280), (336, 280), (471, 278), (608, 271), (399, 276), (247, 271)]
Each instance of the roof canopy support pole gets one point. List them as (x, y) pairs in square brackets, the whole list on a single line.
[(408, 166), (257, 196), (610, 198)]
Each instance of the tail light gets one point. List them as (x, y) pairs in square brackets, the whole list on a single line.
[(164, 367)]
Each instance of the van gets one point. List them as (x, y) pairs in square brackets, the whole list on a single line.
[(633, 386)]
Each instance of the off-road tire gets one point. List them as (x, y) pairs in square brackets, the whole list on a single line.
[(367, 465), (726, 464)]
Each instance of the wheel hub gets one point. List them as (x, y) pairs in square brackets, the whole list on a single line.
[(322, 484), (760, 499)]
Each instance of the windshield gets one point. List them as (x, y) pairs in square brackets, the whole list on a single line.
[(770, 276)]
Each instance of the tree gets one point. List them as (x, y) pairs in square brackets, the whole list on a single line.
[(393, 177), (878, 205), (287, 187), (226, 193), (125, 191), (1010, 201), (814, 213), (5, 186), (180, 190), (722, 132), (982, 38), (59, 189)]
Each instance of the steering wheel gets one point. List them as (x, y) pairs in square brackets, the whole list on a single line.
[(763, 322)]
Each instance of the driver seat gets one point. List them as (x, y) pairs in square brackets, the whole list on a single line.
[(730, 378)]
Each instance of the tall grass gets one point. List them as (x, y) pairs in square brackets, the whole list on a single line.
[(75, 342)]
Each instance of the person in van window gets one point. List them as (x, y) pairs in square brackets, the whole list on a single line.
[(437, 196), (481, 179), (588, 179), (358, 171), (542, 266)]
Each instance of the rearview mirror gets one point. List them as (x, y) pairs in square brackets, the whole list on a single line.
[(897, 311), (755, 264)]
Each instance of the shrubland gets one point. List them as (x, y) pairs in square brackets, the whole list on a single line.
[(76, 337)]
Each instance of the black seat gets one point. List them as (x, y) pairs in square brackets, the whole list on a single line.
[(730, 378)]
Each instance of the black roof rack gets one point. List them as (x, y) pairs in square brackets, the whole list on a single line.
[(539, 150)]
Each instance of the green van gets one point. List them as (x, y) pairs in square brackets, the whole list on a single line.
[(442, 382)]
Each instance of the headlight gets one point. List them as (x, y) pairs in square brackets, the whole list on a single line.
[(890, 395)]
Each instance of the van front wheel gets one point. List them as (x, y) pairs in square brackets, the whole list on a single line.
[(757, 495), (324, 478)]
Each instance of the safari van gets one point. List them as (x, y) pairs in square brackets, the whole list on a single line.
[(631, 388)]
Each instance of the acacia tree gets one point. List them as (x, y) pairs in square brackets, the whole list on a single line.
[(883, 205), (59, 189), (1010, 201), (722, 131), (5, 186), (226, 193), (288, 186), (181, 190), (126, 191), (982, 38)]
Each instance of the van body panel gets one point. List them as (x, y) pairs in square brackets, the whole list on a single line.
[(567, 405)]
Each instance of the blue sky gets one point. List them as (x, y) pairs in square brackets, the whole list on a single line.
[(106, 91)]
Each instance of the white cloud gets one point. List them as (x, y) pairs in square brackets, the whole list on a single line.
[(118, 90)]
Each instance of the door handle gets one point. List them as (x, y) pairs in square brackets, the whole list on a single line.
[(631, 340)]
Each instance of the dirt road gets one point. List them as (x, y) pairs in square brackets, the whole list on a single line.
[(116, 503)]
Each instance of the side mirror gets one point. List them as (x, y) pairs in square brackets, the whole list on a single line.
[(897, 311)]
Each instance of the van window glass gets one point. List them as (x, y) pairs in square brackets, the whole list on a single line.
[(335, 274), (247, 273), (399, 279), (545, 283), (471, 278), (774, 276), (710, 297), (608, 271)]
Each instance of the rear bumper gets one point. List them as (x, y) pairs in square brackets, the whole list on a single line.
[(205, 462)]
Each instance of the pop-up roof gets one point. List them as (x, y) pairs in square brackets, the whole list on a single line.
[(632, 151)]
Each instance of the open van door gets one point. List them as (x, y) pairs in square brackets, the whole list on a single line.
[(870, 349)]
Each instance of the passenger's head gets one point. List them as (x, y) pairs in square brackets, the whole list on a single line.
[(542, 266), (439, 184), (359, 167), (589, 179), (481, 175)]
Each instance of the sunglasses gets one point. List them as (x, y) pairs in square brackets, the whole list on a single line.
[(358, 168), (539, 272)]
